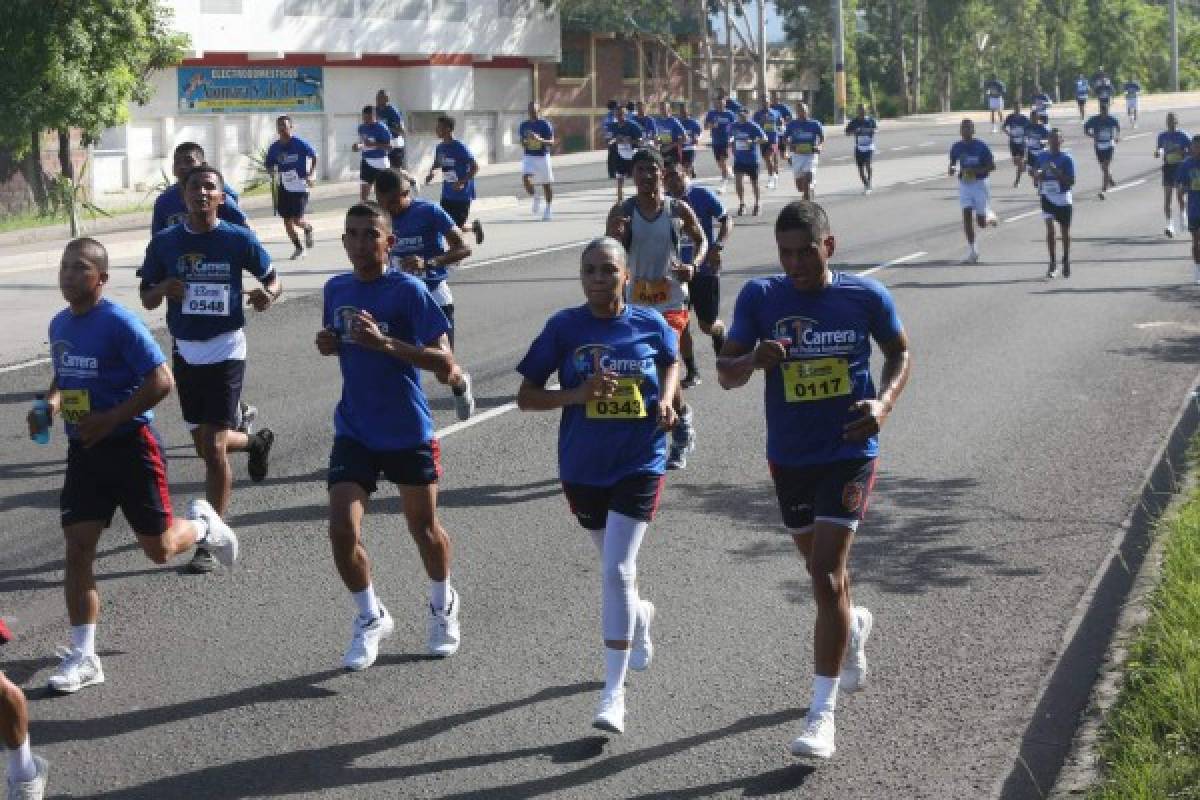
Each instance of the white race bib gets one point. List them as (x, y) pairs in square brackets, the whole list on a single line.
[(207, 299), (741, 144), (292, 181), (378, 162), (449, 176), (1050, 186), (864, 141), (625, 151)]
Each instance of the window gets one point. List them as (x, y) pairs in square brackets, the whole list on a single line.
[(573, 64), (450, 9), (629, 63), (318, 8), (220, 6)]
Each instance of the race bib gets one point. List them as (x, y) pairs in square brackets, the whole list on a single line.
[(1050, 186), (967, 175), (865, 141), (802, 148), (741, 144), (378, 162), (651, 293), (292, 181), (75, 405), (449, 176), (207, 299), (626, 402), (1174, 157), (769, 127), (1016, 134), (625, 151), (815, 379), (532, 143), (1103, 136), (665, 137)]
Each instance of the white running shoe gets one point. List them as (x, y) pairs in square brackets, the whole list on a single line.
[(366, 634), (1170, 229), (724, 185), (1051, 271), (610, 714), (991, 219), (442, 630), (642, 652), (464, 404), (76, 671), (32, 789), (771, 182), (537, 204), (971, 257), (854, 668), (817, 739), (548, 215), (221, 541)]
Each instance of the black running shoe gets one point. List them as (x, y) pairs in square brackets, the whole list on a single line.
[(202, 563), (309, 240), (477, 229), (260, 454), (718, 342)]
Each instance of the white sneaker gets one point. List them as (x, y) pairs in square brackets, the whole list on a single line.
[(442, 630), (724, 185), (32, 789), (610, 714), (642, 652), (971, 257), (991, 218), (365, 636), (76, 671), (817, 739), (1051, 271), (537, 205), (549, 215), (464, 404), (866, 190), (854, 668), (221, 541), (1170, 230)]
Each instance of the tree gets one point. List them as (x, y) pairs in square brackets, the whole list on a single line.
[(76, 65)]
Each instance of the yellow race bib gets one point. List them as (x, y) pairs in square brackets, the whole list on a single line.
[(651, 293), (967, 175), (532, 143), (76, 404), (626, 402), (665, 137), (802, 148), (815, 379), (1174, 157)]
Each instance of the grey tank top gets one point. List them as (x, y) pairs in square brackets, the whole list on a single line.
[(654, 245)]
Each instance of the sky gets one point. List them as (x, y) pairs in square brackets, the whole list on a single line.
[(775, 33)]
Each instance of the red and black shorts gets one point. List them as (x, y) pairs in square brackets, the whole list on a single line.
[(126, 471), (351, 461), (836, 492), (635, 496)]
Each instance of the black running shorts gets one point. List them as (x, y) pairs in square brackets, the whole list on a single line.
[(210, 394), (350, 461), (635, 496), (835, 492), (126, 471)]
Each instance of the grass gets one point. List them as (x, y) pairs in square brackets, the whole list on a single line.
[(1151, 742), (32, 219)]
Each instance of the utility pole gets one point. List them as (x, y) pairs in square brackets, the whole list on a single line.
[(762, 48), (839, 63), (1174, 23)]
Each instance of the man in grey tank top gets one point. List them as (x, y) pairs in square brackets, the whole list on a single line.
[(649, 224)]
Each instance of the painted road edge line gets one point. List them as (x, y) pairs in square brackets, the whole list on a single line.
[(1125, 186), (24, 365), (895, 262), (1023, 216), (925, 180)]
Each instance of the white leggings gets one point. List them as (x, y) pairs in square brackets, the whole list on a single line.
[(618, 544)]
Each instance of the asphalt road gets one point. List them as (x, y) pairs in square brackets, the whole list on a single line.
[(1015, 454)]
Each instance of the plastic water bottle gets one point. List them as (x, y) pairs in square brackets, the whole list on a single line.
[(42, 409)]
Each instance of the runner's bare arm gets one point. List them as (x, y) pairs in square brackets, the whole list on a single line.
[(458, 249), (737, 362), (156, 385), (896, 365)]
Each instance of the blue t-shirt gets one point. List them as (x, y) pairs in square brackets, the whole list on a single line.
[(721, 123), (668, 131), (784, 111), (100, 359), (1104, 129), (648, 126), (391, 118), (542, 128), (709, 210), (292, 157), (420, 231), (808, 398), (382, 405), (1041, 101), (803, 135), (169, 209), (604, 441), (628, 130), (1104, 89), (1051, 187), (1187, 177), (1015, 126), (970, 156), (863, 130), (744, 136), (1175, 145), (1082, 88), (1132, 88), (211, 265), (376, 132), (1035, 139), (455, 161), (693, 129), (769, 120)]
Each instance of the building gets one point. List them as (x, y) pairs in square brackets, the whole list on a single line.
[(321, 61)]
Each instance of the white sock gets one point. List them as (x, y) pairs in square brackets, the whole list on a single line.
[(83, 639), (439, 593), (367, 602), (618, 576), (201, 526), (21, 767), (824, 694), (616, 662)]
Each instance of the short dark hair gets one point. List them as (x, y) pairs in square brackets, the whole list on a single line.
[(645, 154), (447, 121), (288, 117), (392, 180), (369, 110), (206, 169), (612, 105), (803, 215), (371, 210), (188, 147), (93, 248)]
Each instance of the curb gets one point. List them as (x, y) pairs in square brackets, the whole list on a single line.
[(1058, 749)]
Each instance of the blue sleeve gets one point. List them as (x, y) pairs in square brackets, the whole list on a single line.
[(326, 311), (716, 207), (542, 359), (464, 154), (668, 350), (139, 350), (988, 158), (428, 320), (159, 219), (954, 150), (152, 271), (309, 152), (745, 313), (272, 155), (759, 131), (548, 128), (885, 323), (1070, 170), (821, 131), (258, 261), (231, 212), (639, 133), (443, 223)]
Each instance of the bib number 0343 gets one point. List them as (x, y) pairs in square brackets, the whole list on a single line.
[(816, 379), (626, 402)]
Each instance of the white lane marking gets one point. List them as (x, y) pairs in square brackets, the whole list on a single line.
[(491, 413), (841, 158), (1023, 216), (894, 262), (901, 147), (926, 144), (1125, 186), (1135, 136), (14, 270), (526, 254), (926, 180), (24, 365)]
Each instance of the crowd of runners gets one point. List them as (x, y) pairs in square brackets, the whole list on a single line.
[(614, 367)]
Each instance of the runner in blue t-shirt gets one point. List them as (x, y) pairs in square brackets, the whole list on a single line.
[(375, 141), (704, 289), (971, 159), (693, 129), (425, 242), (169, 208), (1015, 125), (1041, 102), (617, 371), (1105, 130), (1082, 89), (625, 136), (804, 139), (393, 118), (1036, 134), (292, 164), (783, 109), (1054, 175), (537, 138), (771, 123), (669, 134), (809, 330), (1172, 146), (994, 90), (196, 267), (863, 128), (109, 374), (384, 327), (459, 169), (746, 138), (1188, 176), (1132, 90), (719, 124)]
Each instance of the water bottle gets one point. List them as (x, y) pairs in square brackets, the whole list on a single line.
[(42, 409)]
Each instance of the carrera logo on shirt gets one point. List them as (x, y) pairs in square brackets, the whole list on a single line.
[(585, 357), (193, 267), (68, 365), (343, 323), (808, 341), (408, 244)]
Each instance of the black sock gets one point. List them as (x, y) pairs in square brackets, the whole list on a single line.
[(690, 363)]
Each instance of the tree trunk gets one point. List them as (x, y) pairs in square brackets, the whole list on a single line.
[(709, 68), (35, 176), (732, 87), (64, 154), (901, 76), (761, 61), (916, 82)]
